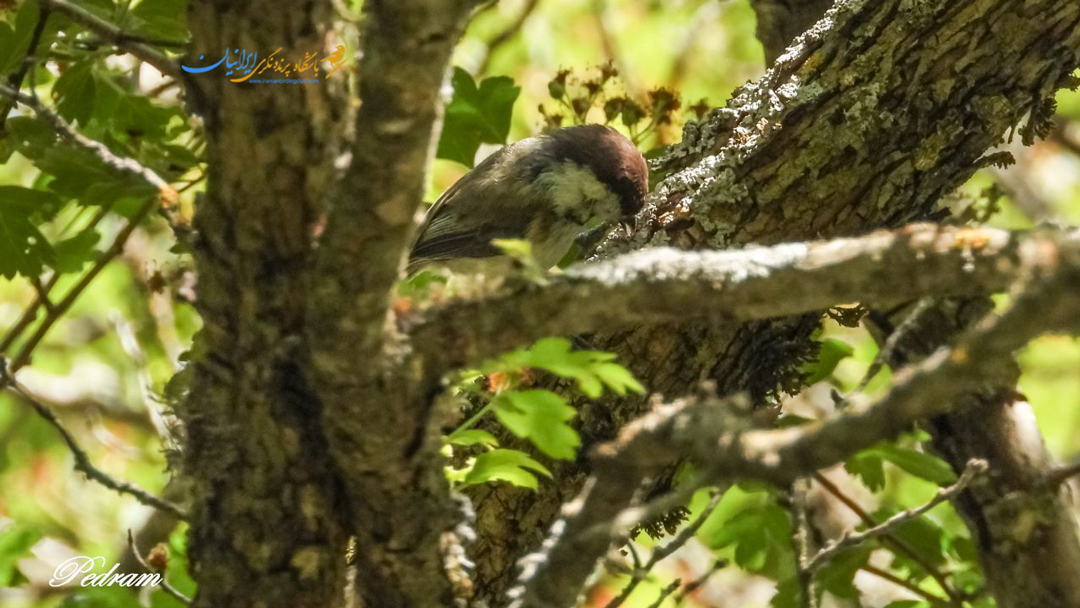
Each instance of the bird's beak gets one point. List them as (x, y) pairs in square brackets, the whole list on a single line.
[(628, 225)]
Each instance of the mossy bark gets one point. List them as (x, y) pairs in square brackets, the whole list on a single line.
[(267, 525)]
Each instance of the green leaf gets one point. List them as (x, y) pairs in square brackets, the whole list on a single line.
[(868, 467), (162, 19), (922, 536), (9, 45), (168, 159), (28, 136), (838, 576), (737, 527), (969, 581), (15, 38), (74, 93), (473, 437), (920, 464), (73, 253), (617, 378), (128, 114), (757, 533), (787, 594), (539, 416), (79, 174), (830, 354), (15, 543), (476, 115), (751, 552), (23, 249), (506, 465), (592, 369)]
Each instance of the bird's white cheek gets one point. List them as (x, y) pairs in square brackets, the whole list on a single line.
[(575, 191)]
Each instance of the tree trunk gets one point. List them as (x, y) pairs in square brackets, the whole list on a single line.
[(267, 527)]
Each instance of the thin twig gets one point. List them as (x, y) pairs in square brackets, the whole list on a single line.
[(42, 294), (164, 584), (1059, 475), (82, 460), (17, 78), (893, 543), (124, 38), (111, 33), (885, 353), (482, 8), (602, 15), (667, 591), (60, 308), (899, 582), (507, 34), (30, 313), (66, 131), (684, 535), (800, 543), (974, 468), (696, 584), (161, 88), (166, 196)]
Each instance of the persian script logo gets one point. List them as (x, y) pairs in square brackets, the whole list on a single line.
[(245, 64), (66, 572)]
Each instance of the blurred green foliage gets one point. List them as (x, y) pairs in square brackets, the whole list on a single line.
[(524, 66)]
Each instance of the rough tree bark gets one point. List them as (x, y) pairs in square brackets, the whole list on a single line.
[(254, 457), (378, 413), (869, 119), (292, 444)]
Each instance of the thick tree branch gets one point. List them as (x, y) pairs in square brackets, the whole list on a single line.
[(267, 522), (377, 415), (663, 285), (406, 46)]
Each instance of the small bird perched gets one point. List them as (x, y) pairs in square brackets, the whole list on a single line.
[(547, 190)]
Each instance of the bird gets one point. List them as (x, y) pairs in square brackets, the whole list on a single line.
[(548, 189)]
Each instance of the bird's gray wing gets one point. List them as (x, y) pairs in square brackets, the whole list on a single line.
[(447, 239), (465, 219)]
